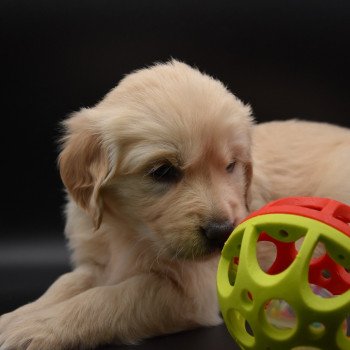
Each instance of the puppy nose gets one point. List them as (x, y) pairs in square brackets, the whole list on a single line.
[(217, 232)]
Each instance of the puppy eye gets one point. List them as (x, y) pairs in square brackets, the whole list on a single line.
[(166, 173), (231, 167)]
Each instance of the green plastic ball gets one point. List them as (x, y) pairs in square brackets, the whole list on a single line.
[(284, 310)]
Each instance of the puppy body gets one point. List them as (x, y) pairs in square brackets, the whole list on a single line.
[(152, 172), (299, 158)]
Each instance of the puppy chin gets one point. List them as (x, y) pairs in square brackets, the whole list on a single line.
[(190, 253), (202, 254), (191, 250)]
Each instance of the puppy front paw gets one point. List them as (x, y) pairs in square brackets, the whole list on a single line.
[(30, 333), (21, 312)]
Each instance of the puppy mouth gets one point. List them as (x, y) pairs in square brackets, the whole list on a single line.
[(191, 244), (201, 249)]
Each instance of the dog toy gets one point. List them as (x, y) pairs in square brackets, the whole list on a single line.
[(301, 300)]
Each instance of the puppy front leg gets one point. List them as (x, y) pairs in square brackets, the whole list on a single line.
[(140, 307), (65, 287)]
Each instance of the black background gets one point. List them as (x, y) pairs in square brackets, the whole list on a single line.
[(288, 59)]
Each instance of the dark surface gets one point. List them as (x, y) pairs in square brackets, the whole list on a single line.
[(27, 268), (203, 338), (286, 58)]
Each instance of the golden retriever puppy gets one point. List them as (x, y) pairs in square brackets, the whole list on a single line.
[(157, 176)]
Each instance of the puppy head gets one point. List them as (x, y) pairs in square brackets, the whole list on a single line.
[(168, 153)]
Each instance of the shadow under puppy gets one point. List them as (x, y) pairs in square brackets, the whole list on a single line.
[(157, 176)]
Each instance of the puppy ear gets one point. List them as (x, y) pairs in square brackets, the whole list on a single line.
[(84, 163)]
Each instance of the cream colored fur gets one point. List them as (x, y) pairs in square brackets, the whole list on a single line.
[(141, 265), (299, 158)]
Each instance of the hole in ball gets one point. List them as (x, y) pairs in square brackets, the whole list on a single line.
[(280, 314), (266, 253), (232, 271), (241, 328), (247, 296), (346, 327), (319, 251), (283, 233), (317, 329), (341, 257), (321, 291), (248, 328), (326, 274)]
